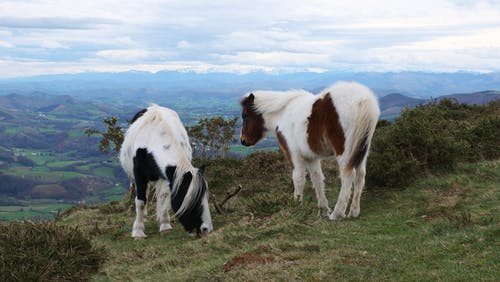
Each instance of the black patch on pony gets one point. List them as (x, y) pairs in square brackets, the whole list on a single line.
[(170, 171), (145, 170), (191, 218), (360, 152), (138, 115)]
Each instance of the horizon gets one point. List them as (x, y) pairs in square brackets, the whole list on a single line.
[(444, 36)]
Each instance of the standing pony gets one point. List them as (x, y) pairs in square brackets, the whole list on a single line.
[(156, 150), (338, 122)]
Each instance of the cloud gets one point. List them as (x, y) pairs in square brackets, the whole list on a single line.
[(265, 35), (51, 44), (131, 54), (55, 22), (184, 44), (277, 59), (5, 44)]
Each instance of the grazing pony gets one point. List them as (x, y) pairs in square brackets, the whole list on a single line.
[(156, 150), (339, 122)]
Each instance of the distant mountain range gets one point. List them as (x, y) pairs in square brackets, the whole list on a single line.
[(129, 85), (392, 104)]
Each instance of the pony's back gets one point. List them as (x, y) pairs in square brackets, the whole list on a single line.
[(161, 131)]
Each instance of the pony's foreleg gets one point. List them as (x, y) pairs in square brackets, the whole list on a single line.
[(317, 179), (140, 203), (347, 177), (299, 180), (359, 182), (163, 206)]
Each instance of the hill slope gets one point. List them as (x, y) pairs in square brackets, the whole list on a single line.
[(441, 228)]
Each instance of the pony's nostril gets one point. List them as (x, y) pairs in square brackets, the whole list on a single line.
[(204, 230), (243, 142)]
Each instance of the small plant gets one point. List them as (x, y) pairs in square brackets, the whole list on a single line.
[(46, 252), (112, 136), (214, 134), (462, 220)]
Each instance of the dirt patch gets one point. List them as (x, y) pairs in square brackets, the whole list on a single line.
[(445, 202), (246, 259), (449, 198)]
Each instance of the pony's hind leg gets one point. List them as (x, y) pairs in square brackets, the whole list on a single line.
[(299, 180), (317, 179), (347, 178), (359, 182), (163, 206)]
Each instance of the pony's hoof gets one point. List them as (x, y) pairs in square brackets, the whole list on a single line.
[(353, 214), (165, 227), (324, 212), (138, 234), (297, 199), (336, 216)]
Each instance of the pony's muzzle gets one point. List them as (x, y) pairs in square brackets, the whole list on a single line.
[(205, 229)]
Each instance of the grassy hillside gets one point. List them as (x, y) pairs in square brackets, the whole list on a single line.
[(443, 227)]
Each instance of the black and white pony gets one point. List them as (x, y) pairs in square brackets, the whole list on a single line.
[(339, 122), (156, 151)]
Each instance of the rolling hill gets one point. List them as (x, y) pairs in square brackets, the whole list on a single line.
[(42, 142)]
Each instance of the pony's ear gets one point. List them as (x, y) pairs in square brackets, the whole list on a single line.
[(251, 98)]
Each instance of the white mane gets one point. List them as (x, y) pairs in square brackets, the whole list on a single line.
[(272, 101)]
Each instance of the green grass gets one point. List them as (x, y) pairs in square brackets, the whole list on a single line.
[(245, 151), (76, 133), (40, 173), (103, 171), (61, 164), (13, 130), (38, 210), (114, 193), (40, 157), (65, 175), (443, 227)]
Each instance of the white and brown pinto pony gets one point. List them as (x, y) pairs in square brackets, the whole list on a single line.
[(156, 151), (339, 122)]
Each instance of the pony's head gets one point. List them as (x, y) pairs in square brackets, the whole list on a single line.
[(190, 202), (253, 128)]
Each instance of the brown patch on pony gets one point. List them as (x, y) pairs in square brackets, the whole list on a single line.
[(253, 128), (324, 129), (284, 146), (245, 259)]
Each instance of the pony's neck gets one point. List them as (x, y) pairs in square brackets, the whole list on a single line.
[(272, 103)]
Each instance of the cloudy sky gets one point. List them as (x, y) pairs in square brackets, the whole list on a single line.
[(66, 36)]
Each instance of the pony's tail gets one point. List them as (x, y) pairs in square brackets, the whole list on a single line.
[(366, 122)]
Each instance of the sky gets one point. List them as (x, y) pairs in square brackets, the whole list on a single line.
[(55, 36)]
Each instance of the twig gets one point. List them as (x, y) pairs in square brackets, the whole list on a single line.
[(220, 207)]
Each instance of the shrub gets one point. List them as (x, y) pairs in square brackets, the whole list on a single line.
[(484, 138), (387, 166), (46, 252), (432, 138)]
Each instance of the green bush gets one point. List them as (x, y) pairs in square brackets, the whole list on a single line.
[(46, 252), (432, 138), (484, 138)]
